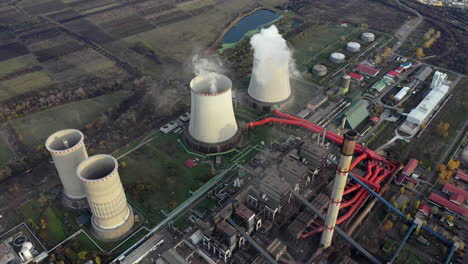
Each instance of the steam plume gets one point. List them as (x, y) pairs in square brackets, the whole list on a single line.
[(207, 66), (270, 50)]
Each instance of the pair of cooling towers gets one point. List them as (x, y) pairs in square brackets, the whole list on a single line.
[(92, 182)]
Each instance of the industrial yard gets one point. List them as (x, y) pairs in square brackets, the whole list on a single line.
[(211, 131)]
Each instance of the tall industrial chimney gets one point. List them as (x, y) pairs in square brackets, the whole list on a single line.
[(347, 151), (112, 217), (213, 127), (67, 150)]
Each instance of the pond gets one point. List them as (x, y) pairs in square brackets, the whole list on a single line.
[(248, 23)]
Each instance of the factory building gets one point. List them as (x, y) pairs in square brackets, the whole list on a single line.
[(271, 194), (67, 149), (407, 171), (402, 93), (222, 241), (356, 114), (296, 173), (427, 106), (213, 127), (7, 254), (423, 73), (112, 217), (367, 70), (245, 217), (315, 153), (355, 76)]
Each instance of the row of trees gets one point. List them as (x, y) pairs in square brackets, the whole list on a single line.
[(445, 172), (430, 37)]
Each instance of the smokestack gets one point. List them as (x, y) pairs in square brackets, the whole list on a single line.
[(213, 127), (269, 84), (347, 151), (112, 217), (343, 124), (67, 150)]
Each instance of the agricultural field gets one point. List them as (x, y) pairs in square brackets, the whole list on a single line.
[(34, 129), (24, 83), (19, 63)]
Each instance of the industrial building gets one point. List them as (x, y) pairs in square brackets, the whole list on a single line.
[(356, 114), (112, 217), (402, 93), (428, 105), (319, 70), (67, 149), (368, 70), (423, 73), (8, 255), (367, 37), (355, 76), (213, 126)]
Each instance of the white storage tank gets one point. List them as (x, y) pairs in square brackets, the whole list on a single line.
[(353, 46), (319, 70), (368, 37), (337, 57)]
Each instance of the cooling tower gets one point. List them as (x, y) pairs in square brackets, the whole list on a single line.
[(112, 217), (212, 126), (67, 150)]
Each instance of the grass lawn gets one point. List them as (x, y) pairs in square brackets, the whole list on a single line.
[(56, 228), (23, 84), (160, 165), (35, 128)]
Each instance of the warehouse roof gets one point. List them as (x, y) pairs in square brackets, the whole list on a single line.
[(423, 73), (367, 70), (356, 76), (410, 167), (402, 93), (427, 105), (450, 188), (392, 73), (461, 176), (379, 86), (447, 204), (356, 114)]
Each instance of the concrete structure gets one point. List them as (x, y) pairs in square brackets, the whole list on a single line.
[(367, 37), (295, 173), (356, 114), (213, 127), (7, 254), (353, 46), (438, 80), (25, 253), (347, 151), (112, 216), (67, 149), (319, 70), (337, 57), (269, 84)]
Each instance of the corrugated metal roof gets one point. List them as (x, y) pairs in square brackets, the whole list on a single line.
[(356, 114), (356, 76), (379, 86), (367, 70), (402, 93), (410, 167), (447, 204), (427, 105)]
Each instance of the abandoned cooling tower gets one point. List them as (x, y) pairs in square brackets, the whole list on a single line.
[(212, 126), (67, 150), (112, 217)]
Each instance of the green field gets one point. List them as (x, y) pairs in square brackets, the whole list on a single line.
[(15, 64), (34, 129), (23, 84), (5, 152)]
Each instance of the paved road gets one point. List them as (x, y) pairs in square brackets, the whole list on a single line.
[(407, 28)]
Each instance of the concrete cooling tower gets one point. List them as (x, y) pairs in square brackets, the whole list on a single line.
[(112, 217), (213, 127), (67, 150)]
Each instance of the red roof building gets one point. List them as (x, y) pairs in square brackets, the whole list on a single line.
[(399, 69), (461, 176), (452, 189), (410, 167), (457, 198), (437, 199), (392, 73), (425, 209), (356, 76), (362, 68), (374, 119)]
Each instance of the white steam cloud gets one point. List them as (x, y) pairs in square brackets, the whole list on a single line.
[(207, 66), (270, 50)]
